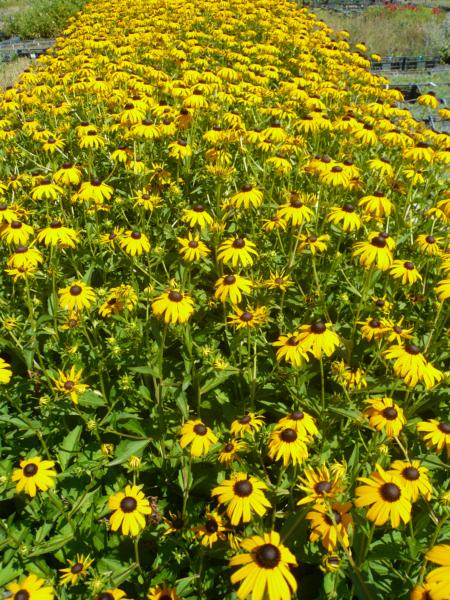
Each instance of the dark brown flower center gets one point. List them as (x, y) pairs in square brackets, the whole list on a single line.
[(246, 188), (128, 504), (76, 568), (323, 487), (75, 290), (245, 419), (348, 208), (211, 526), (55, 225), (69, 385), (336, 169), (200, 429), (16, 224), (104, 596), (239, 243), (292, 341), (411, 473), (243, 488), (397, 329), (175, 296), (193, 244), (246, 317), (297, 415), (229, 447), (30, 470), (430, 239), (318, 327), (21, 595), (267, 556), (296, 203), (335, 519), (288, 435), (378, 242), (390, 413), (390, 492), (136, 235), (412, 349), (374, 323), (182, 143), (21, 249), (312, 239), (444, 427), (408, 265), (198, 208), (229, 280)]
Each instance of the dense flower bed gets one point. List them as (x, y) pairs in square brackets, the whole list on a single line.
[(224, 308)]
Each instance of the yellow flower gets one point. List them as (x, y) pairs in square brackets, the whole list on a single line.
[(197, 215), (16, 232), (295, 212), (437, 433), (237, 251), (212, 530), (248, 318), (374, 253), (162, 593), (56, 234), (76, 296), (199, 435), (77, 568), (247, 197), (134, 243), (287, 445), (414, 477), (69, 384), (30, 588), (130, 508), (118, 299), (406, 271), (173, 306), (249, 423), (385, 415), (345, 216), (232, 287), (242, 494), (330, 524), (412, 366), (34, 474), (318, 339), (192, 249), (180, 149), (5, 371)]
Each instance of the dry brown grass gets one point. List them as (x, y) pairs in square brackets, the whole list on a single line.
[(9, 72), (401, 32)]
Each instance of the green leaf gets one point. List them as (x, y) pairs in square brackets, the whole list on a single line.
[(216, 381), (182, 404), (52, 544), (69, 446), (146, 370), (90, 398), (127, 449), (7, 574)]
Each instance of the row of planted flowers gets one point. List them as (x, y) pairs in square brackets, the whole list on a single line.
[(225, 344)]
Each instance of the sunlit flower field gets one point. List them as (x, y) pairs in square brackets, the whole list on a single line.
[(224, 337)]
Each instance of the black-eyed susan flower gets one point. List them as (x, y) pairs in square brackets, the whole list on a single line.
[(374, 253), (199, 435), (173, 306), (415, 478), (412, 366), (162, 593), (76, 296), (34, 474), (398, 334), (68, 174), (429, 244), (77, 569), (5, 371), (248, 424), (421, 592), (212, 530), (16, 233), (373, 328), (439, 579), (319, 485), (265, 569), (387, 497), (129, 510), (69, 384), (301, 422), (406, 271), (335, 176), (120, 298), (289, 349), (134, 243), (278, 281), (56, 234), (420, 152), (318, 339), (237, 251), (192, 248), (46, 190), (242, 495), (376, 205), (247, 197), (275, 222), (295, 212), (230, 451), (382, 166), (7, 214), (25, 256), (345, 216), (443, 289), (94, 190), (437, 434), (180, 149), (111, 594), (23, 272), (286, 444), (385, 415), (31, 587), (315, 244), (249, 318), (429, 100), (330, 525), (232, 287), (352, 378), (197, 215)]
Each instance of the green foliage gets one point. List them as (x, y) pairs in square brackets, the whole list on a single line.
[(42, 19)]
